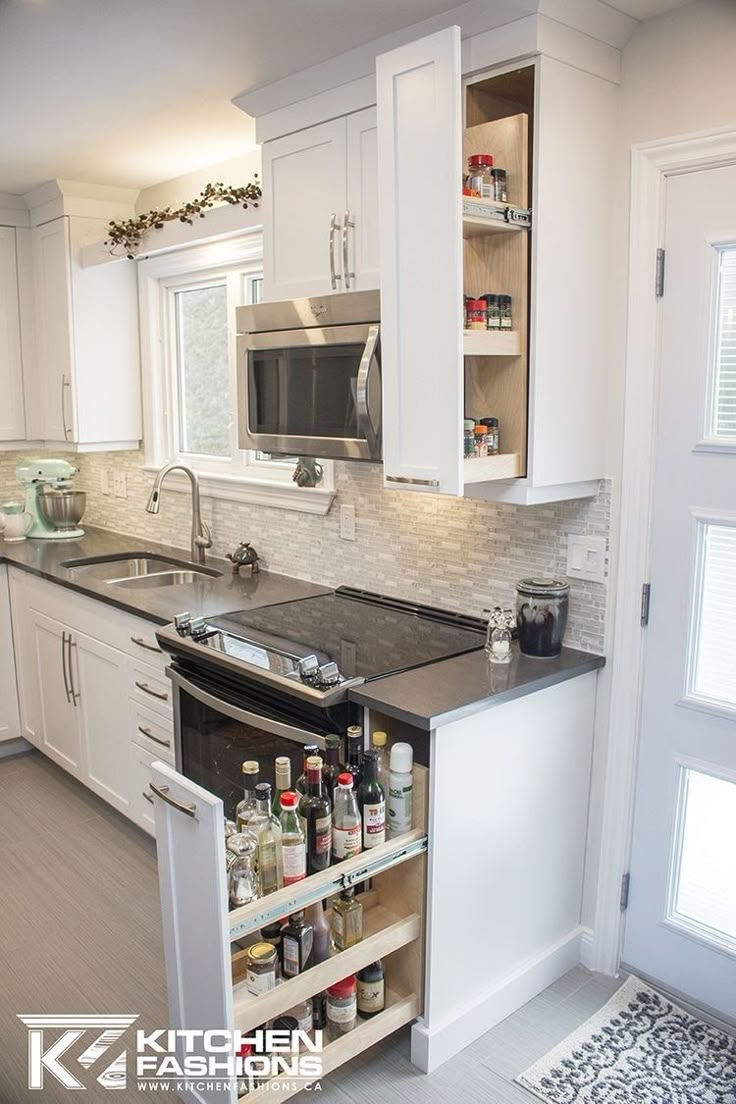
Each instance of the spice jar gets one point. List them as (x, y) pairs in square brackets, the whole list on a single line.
[(498, 177), (260, 971), (468, 438), (342, 1008), (481, 448), (479, 175), (493, 316), (504, 310), (242, 878), (493, 438), (541, 615), (475, 314)]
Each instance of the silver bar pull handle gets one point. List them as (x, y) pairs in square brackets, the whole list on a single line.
[(153, 693), (163, 793), (347, 224), (71, 643), (156, 739), (142, 644), (64, 384), (64, 668), (413, 482), (334, 276)]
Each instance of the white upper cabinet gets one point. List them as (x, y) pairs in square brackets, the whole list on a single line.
[(12, 412), (419, 149), (86, 385), (319, 232)]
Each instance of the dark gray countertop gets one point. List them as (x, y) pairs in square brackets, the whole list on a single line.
[(429, 697), (205, 596)]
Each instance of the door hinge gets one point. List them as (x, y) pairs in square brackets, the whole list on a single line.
[(646, 593), (625, 883), (659, 278)]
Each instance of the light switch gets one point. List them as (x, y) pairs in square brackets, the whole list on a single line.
[(119, 484), (105, 481), (586, 558), (347, 523)]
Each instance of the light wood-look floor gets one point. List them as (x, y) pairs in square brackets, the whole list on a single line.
[(80, 931)]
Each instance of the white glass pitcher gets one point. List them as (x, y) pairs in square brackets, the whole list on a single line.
[(15, 522)]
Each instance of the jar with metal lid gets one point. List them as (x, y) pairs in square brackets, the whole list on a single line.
[(541, 615), (481, 445), (468, 438), (479, 178), (498, 177), (260, 973), (504, 312), (242, 876), (476, 312), (493, 438), (493, 315), (342, 1008)]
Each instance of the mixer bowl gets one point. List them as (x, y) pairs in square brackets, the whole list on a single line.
[(61, 509)]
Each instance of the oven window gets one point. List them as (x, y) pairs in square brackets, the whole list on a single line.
[(304, 392)]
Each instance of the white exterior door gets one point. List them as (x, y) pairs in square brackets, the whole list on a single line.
[(681, 921)]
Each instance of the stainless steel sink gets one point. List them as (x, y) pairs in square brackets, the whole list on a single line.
[(139, 570)]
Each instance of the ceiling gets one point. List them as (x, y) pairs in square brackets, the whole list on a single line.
[(136, 92)]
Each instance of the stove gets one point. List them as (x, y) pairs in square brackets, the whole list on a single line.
[(318, 648)]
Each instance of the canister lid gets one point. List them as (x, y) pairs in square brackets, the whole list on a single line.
[(480, 159), (344, 988), (543, 588), (263, 954)]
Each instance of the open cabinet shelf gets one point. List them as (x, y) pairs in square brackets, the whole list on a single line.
[(482, 469), (481, 216), (491, 343)]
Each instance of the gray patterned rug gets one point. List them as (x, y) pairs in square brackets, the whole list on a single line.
[(638, 1049)]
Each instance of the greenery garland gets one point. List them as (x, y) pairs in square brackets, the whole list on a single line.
[(124, 237)]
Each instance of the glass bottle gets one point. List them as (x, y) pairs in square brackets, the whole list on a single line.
[(371, 990), (282, 778), (242, 883), (317, 917), (270, 858), (372, 803), (468, 438), (347, 920), (297, 944), (315, 814), (293, 842), (331, 768), (379, 744), (346, 823), (354, 761), (271, 933), (301, 782), (247, 807)]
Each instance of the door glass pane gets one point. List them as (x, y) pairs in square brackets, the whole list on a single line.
[(724, 405), (705, 895), (203, 370), (715, 640)]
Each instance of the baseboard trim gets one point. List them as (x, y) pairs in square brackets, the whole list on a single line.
[(16, 746), (586, 948), (431, 1046)]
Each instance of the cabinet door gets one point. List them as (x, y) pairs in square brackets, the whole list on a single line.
[(100, 679), (141, 798), (60, 731), (52, 279), (26, 666), (362, 208), (304, 180), (9, 719), (420, 127), (12, 414)]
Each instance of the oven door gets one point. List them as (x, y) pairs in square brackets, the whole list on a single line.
[(217, 728), (311, 392)]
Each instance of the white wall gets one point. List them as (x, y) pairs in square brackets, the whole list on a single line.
[(171, 193)]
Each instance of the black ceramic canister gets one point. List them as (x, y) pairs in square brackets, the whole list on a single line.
[(541, 616)]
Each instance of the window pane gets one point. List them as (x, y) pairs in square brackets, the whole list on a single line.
[(724, 407), (715, 642), (203, 371), (706, 879)]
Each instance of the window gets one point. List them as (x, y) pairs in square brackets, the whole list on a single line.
[(713, 664), (189, 300), (723, 418)]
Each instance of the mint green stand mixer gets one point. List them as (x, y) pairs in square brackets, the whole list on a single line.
[(54, 505)]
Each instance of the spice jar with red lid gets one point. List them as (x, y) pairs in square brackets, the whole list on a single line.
[(476, 314), (480, 177), (341, 1007)]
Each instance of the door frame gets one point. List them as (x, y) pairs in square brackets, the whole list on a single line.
[(651, 164)]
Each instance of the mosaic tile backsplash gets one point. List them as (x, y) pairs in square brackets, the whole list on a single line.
[(460, 554)]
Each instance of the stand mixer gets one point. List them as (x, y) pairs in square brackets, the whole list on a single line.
[(56, 508)]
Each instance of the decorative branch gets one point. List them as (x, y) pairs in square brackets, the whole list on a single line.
[(124, 237)]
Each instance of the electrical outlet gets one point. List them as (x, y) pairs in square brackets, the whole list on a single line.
[(119, 484), (586, 558), (105, 481), (347, 523)]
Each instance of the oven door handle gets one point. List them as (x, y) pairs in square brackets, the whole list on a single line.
[(289, 732), (368, 365)]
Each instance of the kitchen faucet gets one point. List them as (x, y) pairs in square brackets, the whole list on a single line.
[(201, 536)]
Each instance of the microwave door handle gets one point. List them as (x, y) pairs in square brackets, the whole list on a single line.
[(276, 728), (368, 364)]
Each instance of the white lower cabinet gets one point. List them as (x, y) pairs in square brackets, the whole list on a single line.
[(78, 686), (9, 715)]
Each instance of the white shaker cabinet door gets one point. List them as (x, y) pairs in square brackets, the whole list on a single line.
[(304, 182), (9, 717), (359, 238), (60, 731), (52, 280), (12, 413), (419, 164), (100, 678)]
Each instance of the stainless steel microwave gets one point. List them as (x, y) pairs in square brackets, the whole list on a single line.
[(309, 377)]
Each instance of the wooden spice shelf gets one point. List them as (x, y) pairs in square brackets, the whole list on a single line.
[(491, 343), (399, 1010), (475, 222), (502, 466), (383, 933)]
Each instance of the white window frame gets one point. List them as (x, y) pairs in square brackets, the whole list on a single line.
[(241, 477)]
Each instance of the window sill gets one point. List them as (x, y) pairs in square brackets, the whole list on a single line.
[(259, 492)]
